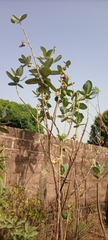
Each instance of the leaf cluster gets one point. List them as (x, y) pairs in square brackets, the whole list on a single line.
[(70, 103), (15, 19), (20, 219), (97, 170)]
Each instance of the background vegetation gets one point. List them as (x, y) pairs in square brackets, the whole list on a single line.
[(99, 130), (19, 116)]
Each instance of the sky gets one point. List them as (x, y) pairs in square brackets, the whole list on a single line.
[(78, 29)]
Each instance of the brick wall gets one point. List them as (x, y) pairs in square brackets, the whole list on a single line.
[(28, 165)]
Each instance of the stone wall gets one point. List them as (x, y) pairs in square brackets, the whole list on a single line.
[(29, 166)]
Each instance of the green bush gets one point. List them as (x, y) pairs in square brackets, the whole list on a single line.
[(20, 117), (20, 218)]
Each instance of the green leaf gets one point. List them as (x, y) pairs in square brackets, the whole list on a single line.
[(76, 126), (32, 81), (19, 85), (49, 105), (50, 53), (62, 170), (48, 116), (28, 59), (96, 170), (2, 167), (63, 118), (23, 56), (34, 233), (79, 117), (13, 71), (56, 98), (65, 102), (95, 91), (66, 166), (62, 137), (84, 96), (30, 65), (34, 70), (1, 150), (26, 226), (82, 106), (1, 179), (43, 50), (15, 84), (19, 71), (65, 215), (57, 58), (45, 71), (21, 60), (22, 17), (12, 84), (48, 63), (68, 63), (20, 222), (40, 60), (87, 87), (14, 19), (10, 75), (48, 82), (60, 69), (54, 72), (69, 92), (16, 79)]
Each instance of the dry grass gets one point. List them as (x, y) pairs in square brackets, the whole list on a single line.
[(89, 228)]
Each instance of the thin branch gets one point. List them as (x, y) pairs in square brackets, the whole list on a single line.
[(29, 109), (77, 150), (31, 48)]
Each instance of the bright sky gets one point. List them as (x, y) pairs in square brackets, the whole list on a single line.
[(79, 29)]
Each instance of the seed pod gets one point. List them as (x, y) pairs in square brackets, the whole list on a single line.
[(63, 85), (63, 76), (23, 44)]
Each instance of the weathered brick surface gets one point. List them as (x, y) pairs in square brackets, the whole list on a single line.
[(7, 142), (27, 165)]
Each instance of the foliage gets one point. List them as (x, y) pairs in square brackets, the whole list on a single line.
[(3, 158), (20, 218), (19, 116), (97, 170), (99, 130), (3, 118)]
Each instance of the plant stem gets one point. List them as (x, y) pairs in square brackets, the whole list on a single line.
[(99, 213)]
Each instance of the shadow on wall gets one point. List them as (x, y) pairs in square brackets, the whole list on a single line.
[(26, 159), (25, 167)]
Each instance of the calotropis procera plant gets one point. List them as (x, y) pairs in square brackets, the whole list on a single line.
[(68, 105)]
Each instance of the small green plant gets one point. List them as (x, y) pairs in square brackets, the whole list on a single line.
[(3, 158), (20, 218), (97, 171), (18, 230)]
